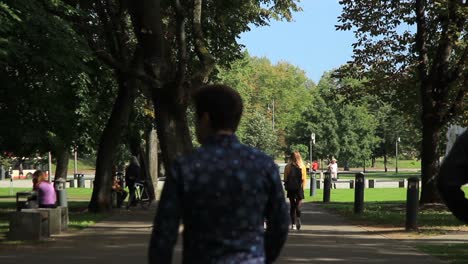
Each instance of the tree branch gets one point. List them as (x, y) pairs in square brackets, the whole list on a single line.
[(133, 72), (182, 49), (442, 75), (203, 54), (421, 38), (147, 24)]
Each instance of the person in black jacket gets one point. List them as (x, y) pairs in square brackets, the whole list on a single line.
[(132, 174), (222, 192), (453, 175)]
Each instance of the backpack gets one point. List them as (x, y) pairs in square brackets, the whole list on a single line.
[(294, 179)]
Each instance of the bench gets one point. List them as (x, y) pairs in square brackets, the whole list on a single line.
[(372, 182), (29, 225), (38, 223), (26, 200)]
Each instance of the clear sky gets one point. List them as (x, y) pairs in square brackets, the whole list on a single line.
[(309, 42)]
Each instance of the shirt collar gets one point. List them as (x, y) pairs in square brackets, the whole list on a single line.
[(223, 140)]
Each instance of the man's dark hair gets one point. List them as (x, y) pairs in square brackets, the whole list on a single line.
[(222, 103)]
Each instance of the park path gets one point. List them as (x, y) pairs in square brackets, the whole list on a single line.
[(123, 238)]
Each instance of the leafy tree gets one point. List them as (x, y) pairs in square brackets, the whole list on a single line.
[(356, 134), (44, 65), (320, 119), (279, 91), (301, 148), (429, 64), (167, 49), (255, 130)]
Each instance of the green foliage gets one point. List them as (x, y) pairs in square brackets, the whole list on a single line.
[(265, 88), (256, 131), (320, 119), (42, 69), (302, 149)]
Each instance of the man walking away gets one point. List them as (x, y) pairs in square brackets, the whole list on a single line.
[(222, 193)]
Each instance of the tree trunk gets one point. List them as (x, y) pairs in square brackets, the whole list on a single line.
[(152, 151), (429, 170), (63, 157), (373, 162), (145, 168), (110, 139), (385, 162), (172, 128)]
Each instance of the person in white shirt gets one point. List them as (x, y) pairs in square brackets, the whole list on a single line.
[(333, 170)]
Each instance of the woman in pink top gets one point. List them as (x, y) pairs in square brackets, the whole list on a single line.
[(45, 190)]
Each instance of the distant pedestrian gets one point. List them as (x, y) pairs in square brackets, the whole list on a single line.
[(132, 174), (453, 175), (118, 191), (222, 192), (294, 183), (333, 170), (45, 190), (315, 166)]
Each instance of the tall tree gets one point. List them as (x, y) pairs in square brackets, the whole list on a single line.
[(417, 47), (177, 45), (281, 92), (44, 67)]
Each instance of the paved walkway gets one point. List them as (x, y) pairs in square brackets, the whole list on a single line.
[(123, 238)]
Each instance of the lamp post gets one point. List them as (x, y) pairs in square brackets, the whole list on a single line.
[(396, 154), (75, 156), (313, 184), (49, 169)]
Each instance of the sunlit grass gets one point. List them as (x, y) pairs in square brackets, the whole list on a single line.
[(383, 207)]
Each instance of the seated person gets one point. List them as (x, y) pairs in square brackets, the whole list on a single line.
[(119, 191), (45, 190)]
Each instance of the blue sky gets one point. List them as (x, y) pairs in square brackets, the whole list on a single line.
[(309, 42)]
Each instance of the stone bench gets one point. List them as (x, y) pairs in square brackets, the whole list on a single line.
[(38, 223), (30, 224), (55, 218), (398, 183)]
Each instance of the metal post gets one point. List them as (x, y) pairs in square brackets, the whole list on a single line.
[(11, 185), (313, 183), (396, 154), (311, 192), (75, 153), (326, 188), (412, 203), (49, 170), (359, 193)]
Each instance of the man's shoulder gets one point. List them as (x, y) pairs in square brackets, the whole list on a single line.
[(245, 151)]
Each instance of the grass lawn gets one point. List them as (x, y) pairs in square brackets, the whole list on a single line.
[(452, 253), (78, 199), (385, 207)]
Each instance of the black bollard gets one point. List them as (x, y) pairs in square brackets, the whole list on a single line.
[(313, 185), (359, 193), (326, 187), (412, 203)]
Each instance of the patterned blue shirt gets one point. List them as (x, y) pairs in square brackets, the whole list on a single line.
[(222, 193)]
